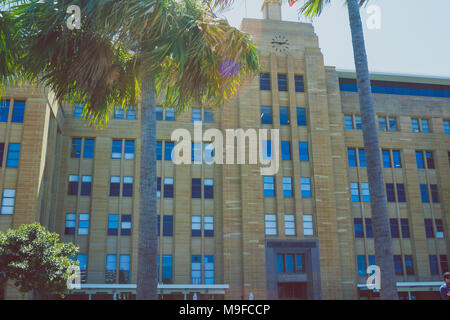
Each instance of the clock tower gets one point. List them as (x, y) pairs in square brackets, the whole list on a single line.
[(272, 9)]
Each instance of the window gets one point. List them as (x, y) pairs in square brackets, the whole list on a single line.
[(393, 124), (13, 155), (405, 228), (267, 150), (362, 158), (129, 149), (397, 159), (285, 150), (358, 226), (70, 224), (124, 268), (196, 153), (266, 115), (358, 123), (394, 228), (82, 263), (419, 160), (196, 188), (86, 185), (284, 116), (409, 265), (2, 149), (127, 187), (114, 186), (111, 267), (433, 265), (78, 110), (83, 224), (168, 148), (425, 126), (303, 151), (424, 193), (444, 263), (159, 114), (73, 185), (167, 268), (289, 225), (269, 186), (208, 188), (196, 269), (264, 81), (209, 269), (18, 111), (170, 114), (89, 146), (369, 229), (372, 261), (430, 159), (282, 82), (208, 226), (434, 193), (113, 225), (158, 150), (361, 263), (290, 262), (305, 187), (354, 190), (125, 226), (348, 122), (287, 187), (415, 125), (390, 192), (119, 113), (76, 148), (351, 155), (208, 153), (398, 265), (4, 110), (365, 192), (8, 199), (386, 158), (271, 224), (196, 226), (439, 228), (196, 115), (382, 124), (299, 84), (401, 195), (429, 230), (168, 187), (301, 116), (208, 116), (168, 226), (308, 228), (447, 126)]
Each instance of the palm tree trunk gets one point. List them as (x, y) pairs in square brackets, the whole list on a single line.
[(148, 243), (380, 217)]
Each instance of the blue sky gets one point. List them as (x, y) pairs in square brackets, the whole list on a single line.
[(414, 37)]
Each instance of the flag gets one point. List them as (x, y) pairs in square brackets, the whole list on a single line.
[(291, 2)]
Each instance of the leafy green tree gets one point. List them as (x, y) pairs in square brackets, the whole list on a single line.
[(128, 53), (35, 259)]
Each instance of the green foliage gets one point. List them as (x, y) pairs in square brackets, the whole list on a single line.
[(35, 259)]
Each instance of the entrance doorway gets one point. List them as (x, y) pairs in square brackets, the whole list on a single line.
[(292, 291)]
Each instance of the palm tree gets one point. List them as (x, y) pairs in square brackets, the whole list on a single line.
[(380, 217), (130, 51)]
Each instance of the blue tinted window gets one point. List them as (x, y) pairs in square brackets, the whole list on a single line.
[(397, 159), (358, 225), (167, 268), (4, 111), (76, 148), (266, 115), (429, 231), (401, 195), (282, 82), (433, 265), (419, 160), (394, 228), (305, 185), (299, 84), (168, 226), (208, 188), (386, 158), (361, 263), (358, 123), (287, 186), (269, 186), (398, 265), (196, 188), (289, 263), (284, 116), (405, 228), (131, 113), (369, 230), (18, 111), (424, 193), (264, 81), (170, 114), (348, 122), (303, 151), (351, 154), (13, 155), (390, 192), (362, 158), (168, 148), (301, 116), (159, 113), (89, 146), (208, 116), (285, 150), (409, 265), (267, 150), (158, 150), (113, 225)]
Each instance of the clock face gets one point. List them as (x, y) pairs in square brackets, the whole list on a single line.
[(280, 43)]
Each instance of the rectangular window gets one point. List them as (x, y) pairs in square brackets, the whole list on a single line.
[(372, 260), (358, 123), (285, 150), (415, 125), (282, 82), (289, 225), (208, 226), (82, 263), (394, 228), (168, 187), (401, 194), (111, 267), (170, 114), (168, 148), (358, 226), (419, 160), (13, 155), (390, 192), (129, 149), (305, 185), (208, 116), (83, 224), (444, 263), (348, 122), (266, 115), (86, 185), (8, 200), (429, 230), (76, 148), (196, 188), (124, 268), (433, 265), (361, 263), (382, 123), (89, 146), (158, 150), (209, 269), (119, 113), (362, 158), (70, 224), (386, 158), (301, 116), (168, 226), (196, 153), (365, 192), (125, 225), (114, 186), (369, 229), (18, 112), (447, 127), (287, 187), (159, 114), (269, 186), (196, 115), (354, 190), (439, 228), (405, 228), (167, 268), (284, 116), (271, 224), (425, 126), (196, 226), (4, 110), (196, 269), (303, 151), (113, 225), (208, 188), (299, 84), (393, 124), (409, 264), (308, 228), (127, 187), (434, 193), (430, 159), (2, 150), (264, 81), (398, 265), (351, 155), (208, 153), (267, 150), (424, 193), (73, 185), (397, 159), (78, 110)]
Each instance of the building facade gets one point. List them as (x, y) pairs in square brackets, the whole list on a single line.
[(226, 231)]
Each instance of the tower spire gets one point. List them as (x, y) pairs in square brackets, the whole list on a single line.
[(272, 10)]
